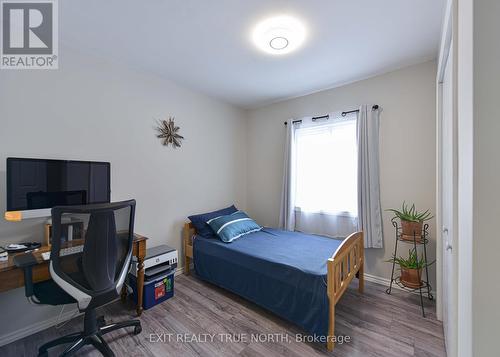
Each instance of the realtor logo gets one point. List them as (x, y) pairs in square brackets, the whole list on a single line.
[(29, 34)]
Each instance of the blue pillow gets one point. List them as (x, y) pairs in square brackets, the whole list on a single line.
[(233, 226), (199, 221)]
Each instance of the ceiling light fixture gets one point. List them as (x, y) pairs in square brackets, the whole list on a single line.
[(278, 43), (279, 35)]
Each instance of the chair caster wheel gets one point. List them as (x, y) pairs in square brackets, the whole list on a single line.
[(137, 330)]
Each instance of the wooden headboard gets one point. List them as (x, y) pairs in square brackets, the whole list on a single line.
[(188, 232)]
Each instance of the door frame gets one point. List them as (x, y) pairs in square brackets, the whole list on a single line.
[(458, 30), (444, 52), (465, 121), (447, 58)]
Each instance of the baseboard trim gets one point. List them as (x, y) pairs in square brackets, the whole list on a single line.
[(42, 325), (179, 271), (36, 327), (386, 282), (377, 279)]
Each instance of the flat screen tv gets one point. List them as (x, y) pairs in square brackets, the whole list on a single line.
[(34, 184)]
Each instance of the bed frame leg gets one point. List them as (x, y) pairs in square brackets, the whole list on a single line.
[(361, 278), (187, 266), (361, 271), (330, 343)]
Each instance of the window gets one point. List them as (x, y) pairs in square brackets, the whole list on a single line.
[(326, 168)]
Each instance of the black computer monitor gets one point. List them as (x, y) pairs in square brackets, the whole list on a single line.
[(41, 183)]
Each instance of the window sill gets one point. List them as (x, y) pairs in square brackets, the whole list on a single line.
[(325, 213)]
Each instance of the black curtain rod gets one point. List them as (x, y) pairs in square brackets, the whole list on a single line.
[(375, 107)]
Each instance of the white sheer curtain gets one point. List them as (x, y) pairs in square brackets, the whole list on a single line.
[(320, 181), (331, 176)]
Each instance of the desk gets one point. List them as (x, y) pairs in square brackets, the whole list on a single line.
[(11, 277)]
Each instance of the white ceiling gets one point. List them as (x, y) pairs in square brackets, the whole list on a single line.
[(206, 45)]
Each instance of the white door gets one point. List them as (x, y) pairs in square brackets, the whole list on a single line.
[(448, 208)]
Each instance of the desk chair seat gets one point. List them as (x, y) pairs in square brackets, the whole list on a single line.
[(90, 277), (49, 293)]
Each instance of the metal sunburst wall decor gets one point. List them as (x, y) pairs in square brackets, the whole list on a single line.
[(168, 132)]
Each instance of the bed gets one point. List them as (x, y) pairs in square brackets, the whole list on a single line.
[(300, 277)]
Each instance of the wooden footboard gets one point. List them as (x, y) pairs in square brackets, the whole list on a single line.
[(347, 262)]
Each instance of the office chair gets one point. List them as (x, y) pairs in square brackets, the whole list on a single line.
[(90, 275)]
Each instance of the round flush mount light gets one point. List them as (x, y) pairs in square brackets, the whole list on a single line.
[(278, 43), (279, 35)]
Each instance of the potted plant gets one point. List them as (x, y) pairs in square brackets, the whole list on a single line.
[(412, 221), (411, 269)]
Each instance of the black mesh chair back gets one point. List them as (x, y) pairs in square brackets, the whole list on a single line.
[(92, 266), (101, 246), (89, 260)]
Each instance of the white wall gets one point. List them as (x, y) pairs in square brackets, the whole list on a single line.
[(92, 110), (407, 147), (486, 240)]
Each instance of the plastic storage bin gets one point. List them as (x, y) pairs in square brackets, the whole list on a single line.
[(156, 289)]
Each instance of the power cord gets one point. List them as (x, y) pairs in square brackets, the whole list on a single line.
[(58, 323)]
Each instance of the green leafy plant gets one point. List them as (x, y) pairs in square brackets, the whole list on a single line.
[(411, 214), (412, 262)]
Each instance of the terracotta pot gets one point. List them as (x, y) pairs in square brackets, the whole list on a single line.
[(411, 278), (412, 229)]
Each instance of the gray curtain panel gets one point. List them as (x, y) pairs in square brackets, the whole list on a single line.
[(369, 208), (287, 214)]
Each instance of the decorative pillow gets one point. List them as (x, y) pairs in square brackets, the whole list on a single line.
[(200, 220), (233, 226)]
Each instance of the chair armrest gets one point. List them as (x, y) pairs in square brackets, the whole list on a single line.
[(26, 262)]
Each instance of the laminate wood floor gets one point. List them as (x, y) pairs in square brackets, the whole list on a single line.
[(378, 325)]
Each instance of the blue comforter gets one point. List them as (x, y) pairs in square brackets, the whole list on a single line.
[(284, 272)]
